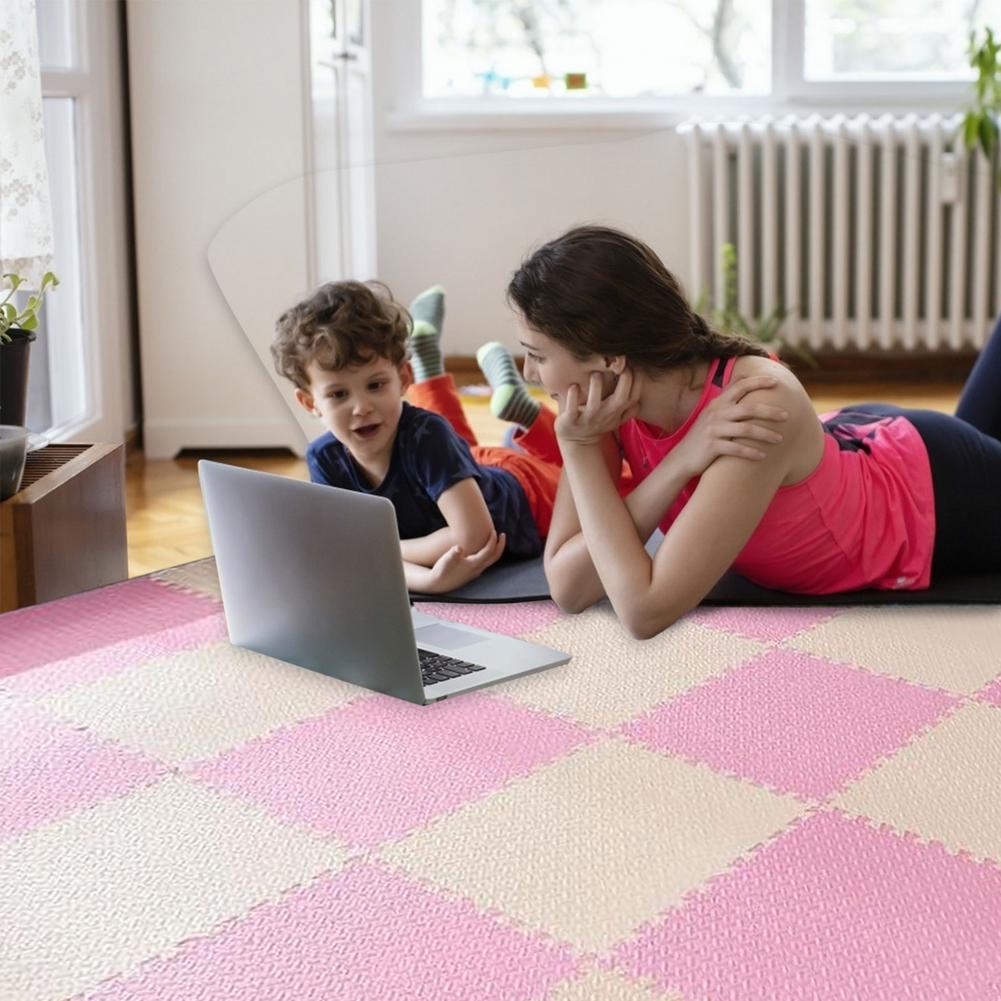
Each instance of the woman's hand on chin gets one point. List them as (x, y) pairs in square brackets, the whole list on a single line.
[(588, 423)]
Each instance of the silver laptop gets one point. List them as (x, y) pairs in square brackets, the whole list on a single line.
[(312, 575)]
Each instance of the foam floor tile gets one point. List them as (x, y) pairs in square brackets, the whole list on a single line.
[(101, 891), (766, 624), (791, 721), (510, 619), (48, 769), (59, 629), (597, 843), (612, 677), (376, 769), (832, 909), (956, 647), (946, 786), (199, 576), (992, 692), (355, 936), (606, 985), (116, 658), (198, 703)]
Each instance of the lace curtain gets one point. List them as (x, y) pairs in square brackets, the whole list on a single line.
[(26, 245)]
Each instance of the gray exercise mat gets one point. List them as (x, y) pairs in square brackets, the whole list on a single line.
[(525, 580)]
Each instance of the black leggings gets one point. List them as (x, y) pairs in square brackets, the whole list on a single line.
[(965, 456)]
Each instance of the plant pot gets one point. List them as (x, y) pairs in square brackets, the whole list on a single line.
[(14, 377)]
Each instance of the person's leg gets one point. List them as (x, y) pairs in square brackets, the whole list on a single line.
[(433, 388), (980, 402), (510, 400), (966, 480), (538, 480)]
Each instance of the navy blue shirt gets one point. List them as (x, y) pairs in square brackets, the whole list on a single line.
[(429, 457)]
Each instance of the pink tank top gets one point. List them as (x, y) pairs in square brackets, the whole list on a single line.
[(865, 517)]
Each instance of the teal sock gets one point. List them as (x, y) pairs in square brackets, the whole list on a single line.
[(429, 306), (510, 400), (425, 351)]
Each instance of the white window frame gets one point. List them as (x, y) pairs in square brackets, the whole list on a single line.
[(791, 92), (94, 85)]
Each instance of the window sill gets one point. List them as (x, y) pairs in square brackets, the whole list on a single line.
[(500, 114)]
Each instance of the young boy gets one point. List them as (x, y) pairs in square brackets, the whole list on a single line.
[(458, 504)]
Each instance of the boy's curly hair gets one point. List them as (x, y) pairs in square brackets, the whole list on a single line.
[(341, 324)]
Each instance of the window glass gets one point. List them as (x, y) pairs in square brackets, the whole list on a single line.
[(883, 39), (597, 48), (56, 44)]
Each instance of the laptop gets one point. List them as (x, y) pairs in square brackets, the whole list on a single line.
[(312, 575)]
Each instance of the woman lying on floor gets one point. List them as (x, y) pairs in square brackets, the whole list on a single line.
[(871, 496)]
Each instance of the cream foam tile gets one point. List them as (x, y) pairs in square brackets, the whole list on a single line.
[(955, 647), (200, 576), (604, 985), (613, 677), (197, 703), (107, 888), (943, 787), (597, 843)]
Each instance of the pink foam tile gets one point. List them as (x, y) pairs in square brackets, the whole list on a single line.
[(94, 664), (768, 624), (361, 935), (48, 769), (992, 693), (510, 618), (792, 721), (59, 629), (375, 769), (832, 909)]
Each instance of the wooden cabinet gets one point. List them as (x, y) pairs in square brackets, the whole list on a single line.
[(64, 531)]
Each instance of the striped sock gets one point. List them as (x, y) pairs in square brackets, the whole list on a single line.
[(429, 306), (425, 351), (510, 400)]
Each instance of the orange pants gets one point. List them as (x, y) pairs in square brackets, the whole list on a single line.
[(537, 469), (533, 469)]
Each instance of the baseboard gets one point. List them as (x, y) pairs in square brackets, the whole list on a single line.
[(832, 367), (163, 439)]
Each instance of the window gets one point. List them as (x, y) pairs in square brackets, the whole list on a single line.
[(572, 50), (576, 48), (893, 39)]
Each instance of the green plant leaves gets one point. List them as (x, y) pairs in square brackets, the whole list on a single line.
[(27, 318)]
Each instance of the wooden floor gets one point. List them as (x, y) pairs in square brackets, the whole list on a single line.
[(166, 522)]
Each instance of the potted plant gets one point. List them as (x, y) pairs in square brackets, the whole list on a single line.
[(980, 127), (17, 331)]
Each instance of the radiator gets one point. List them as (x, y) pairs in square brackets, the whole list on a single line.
[(873, 232)]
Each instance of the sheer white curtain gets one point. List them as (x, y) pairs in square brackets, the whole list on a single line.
[(26, 245)]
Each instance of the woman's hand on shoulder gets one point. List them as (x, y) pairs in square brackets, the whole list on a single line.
[(729, 417), (589, 423)]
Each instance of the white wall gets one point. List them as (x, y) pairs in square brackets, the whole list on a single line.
[(217, 106), (462, 208)]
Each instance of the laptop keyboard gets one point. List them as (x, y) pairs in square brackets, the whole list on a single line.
[(437, 667)]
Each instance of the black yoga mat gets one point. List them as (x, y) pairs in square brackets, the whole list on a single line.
[(524, 580)]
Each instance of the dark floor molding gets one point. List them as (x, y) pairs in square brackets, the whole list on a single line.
[(856, 366)]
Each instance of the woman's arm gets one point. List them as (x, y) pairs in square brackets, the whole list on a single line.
[(719, 430), (570, 571), (732, 496), (469, 526)]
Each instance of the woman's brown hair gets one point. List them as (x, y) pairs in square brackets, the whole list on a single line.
[(599, 291), (341, 324)]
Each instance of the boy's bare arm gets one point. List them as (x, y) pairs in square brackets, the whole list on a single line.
[(463, 507), (426, 550), (469, 526)]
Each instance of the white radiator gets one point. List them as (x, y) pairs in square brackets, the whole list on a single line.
[(872, 232)]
